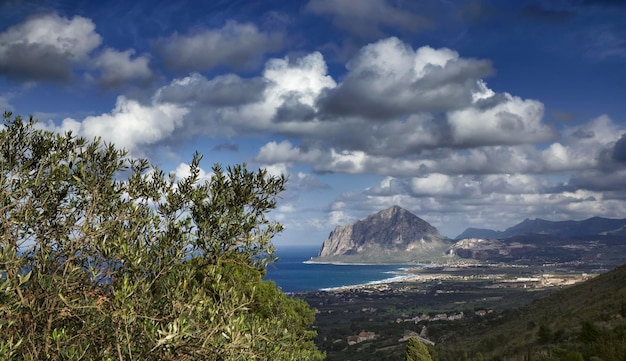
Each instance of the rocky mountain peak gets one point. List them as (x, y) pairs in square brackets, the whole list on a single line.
[(391, 235)]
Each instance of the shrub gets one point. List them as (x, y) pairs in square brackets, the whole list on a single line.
[(105, 257)]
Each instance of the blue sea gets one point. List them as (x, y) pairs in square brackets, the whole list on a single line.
[(293, 275)]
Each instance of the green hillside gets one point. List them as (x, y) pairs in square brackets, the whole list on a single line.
[(586, 321)]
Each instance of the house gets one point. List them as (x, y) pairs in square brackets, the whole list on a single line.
[(361, 337)]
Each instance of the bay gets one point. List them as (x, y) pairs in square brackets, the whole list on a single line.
[(291, 274)]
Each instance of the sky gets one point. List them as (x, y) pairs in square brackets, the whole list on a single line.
[(468, 113)]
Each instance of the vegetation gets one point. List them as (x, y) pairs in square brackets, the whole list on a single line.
[(585, 321), (105, 257), (581, 322), (416, 351)]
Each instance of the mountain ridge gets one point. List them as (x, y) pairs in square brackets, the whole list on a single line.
[(586, 227)]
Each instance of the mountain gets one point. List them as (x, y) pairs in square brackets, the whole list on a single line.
[(393, 235), (587, 227), (479, 233), (599, 240)]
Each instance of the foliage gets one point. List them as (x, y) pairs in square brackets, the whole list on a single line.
[(416, 351), (105, 257)]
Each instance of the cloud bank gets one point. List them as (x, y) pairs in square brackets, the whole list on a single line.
[(422, 121)]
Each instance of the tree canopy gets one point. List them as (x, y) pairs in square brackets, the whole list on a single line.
[(103, 256), (416, 351)]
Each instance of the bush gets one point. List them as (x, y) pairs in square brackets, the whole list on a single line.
[(105, 257)]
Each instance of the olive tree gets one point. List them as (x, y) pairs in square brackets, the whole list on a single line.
[(106, 257)]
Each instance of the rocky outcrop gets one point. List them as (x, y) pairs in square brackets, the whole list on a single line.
[(490, 249), (393, 235)]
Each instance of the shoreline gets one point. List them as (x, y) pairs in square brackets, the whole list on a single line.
[(366, 264), (402, 276)]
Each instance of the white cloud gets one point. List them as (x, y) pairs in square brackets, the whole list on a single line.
[(388, 79), (366, 17), (277, 169), (131, 125), (278, 152), (305, 78), (425, 100), (433, 184), (348, 161), (582, 147), (74, 38), (339, 218), (511, 121), (118, 67), (46, 46), (235, 45), (221, 91), (183, 170), (290, 85), (513, 184)]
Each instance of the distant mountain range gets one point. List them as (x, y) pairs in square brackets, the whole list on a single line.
[(395, 235), (591, 226)]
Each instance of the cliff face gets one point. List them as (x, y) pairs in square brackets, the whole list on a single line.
[(391, 236)]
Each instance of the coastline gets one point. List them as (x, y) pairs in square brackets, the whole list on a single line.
[(335, 263), (297, 272), (403, 275)]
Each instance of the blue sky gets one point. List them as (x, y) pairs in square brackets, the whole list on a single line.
[(467, 113)]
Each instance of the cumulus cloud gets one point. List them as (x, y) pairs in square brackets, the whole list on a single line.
[(50, 47), (46, 46), (388, 79), (285, 152), (277, 169), (302, 80), (393, 102), (583, 147), (432, 184), (465, 129), (511, 120), (366, 18), (130, 125), (234, 106), (235, 45), (119, 67), (619, 150), (183, 170), (223, 90)]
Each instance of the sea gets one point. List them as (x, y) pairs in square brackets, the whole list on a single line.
[(292, 274)]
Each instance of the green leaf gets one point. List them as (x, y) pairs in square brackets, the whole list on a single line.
[(24, 278)]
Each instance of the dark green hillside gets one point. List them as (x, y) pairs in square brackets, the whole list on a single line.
[(582, 322)]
